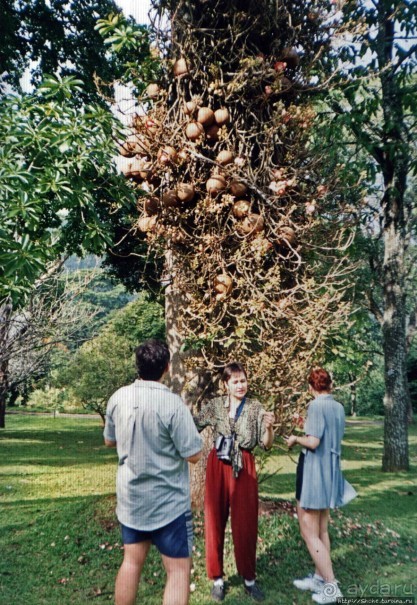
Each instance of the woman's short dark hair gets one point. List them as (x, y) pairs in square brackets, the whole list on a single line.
[(320, 380), (152, 358), (232, 368)]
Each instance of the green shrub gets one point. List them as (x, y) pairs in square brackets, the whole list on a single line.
[(59, 399)]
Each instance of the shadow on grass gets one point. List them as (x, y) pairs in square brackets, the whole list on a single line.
[(61, 445)]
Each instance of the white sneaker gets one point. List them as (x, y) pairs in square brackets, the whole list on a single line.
[(311, 582), (330, 592)]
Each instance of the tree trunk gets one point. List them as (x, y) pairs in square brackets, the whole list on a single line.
[(410, 413), (190, 387), (176, 375), (353, 397), (394, 159), (3, 392), (395, 457), (5, 314)]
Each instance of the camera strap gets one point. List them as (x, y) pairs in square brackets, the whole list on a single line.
[(237, 415), (239, 409)]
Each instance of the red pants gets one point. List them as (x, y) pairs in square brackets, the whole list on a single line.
[(224, 492)]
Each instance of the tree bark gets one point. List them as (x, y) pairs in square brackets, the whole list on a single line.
[(5, 315), (395, 455), (3, 393), (411, 330), (190, 387), (176, 374), (394, 163), (353, 396)]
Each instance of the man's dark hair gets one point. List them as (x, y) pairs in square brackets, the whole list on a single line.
[(152, 358)]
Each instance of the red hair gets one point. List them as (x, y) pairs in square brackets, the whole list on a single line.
[(320, 380)]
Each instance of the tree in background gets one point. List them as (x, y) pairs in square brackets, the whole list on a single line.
[(373, 97), (58, 184), (36, 368), (354, 358), (102, 295), (106, 362), (56, 37), (53, 319)]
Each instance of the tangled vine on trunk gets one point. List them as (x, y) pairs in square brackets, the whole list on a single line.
[(245, 213)]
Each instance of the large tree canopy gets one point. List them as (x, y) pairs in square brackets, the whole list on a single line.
[(55, 37), (373, 99), (57, 182)]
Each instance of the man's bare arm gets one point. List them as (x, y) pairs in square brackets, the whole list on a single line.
[(195, 458)]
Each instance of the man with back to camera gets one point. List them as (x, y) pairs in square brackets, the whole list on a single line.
[(155, 436)]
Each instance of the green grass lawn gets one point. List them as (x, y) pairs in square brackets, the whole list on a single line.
[(60, 542)]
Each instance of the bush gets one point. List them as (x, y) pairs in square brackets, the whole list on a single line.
[(48, 398), (371, 394)]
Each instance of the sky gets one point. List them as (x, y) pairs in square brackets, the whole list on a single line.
[(125, 103), (136, 8)]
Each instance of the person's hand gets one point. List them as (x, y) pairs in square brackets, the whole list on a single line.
[(269, 419), (291, 440)]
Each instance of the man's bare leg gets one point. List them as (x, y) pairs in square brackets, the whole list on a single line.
[(177, 588), (128, 578)]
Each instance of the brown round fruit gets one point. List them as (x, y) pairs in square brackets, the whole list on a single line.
[(223, 283), (151, 205), (221, 116), (170, 199), (253, 223), (153, 91), (167, 155), (205, 116), (185, 192), (287, 235), (147, 223), (132, 169), (194, 130), (238, 189), (190, 107), (180, 67), (224, 157), (216, 184), (241, 208)]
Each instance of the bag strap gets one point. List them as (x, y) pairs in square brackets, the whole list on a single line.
[(239, 409), (232, 421)]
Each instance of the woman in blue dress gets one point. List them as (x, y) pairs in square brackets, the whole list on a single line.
[(320, 485)]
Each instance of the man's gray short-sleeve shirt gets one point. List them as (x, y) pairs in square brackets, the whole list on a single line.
[(155, 432)]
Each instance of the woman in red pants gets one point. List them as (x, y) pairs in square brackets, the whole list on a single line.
[(240, 423)]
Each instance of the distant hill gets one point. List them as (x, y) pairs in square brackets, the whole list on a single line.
[(75, 263)]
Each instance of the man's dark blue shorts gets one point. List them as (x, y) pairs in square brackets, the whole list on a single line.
[(173, 540)]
